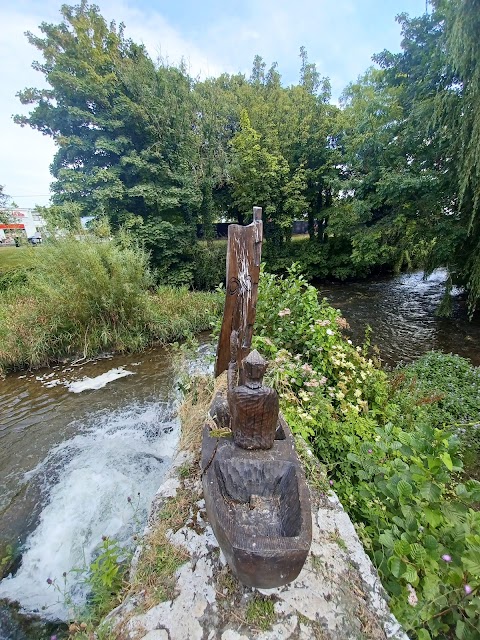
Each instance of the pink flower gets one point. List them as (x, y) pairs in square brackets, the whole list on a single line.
[(307, 368), (468, 589), (284, 312), (412, 598), (331, 482), (322, 323), (446, 557)]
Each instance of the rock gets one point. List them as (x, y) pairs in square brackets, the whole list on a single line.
[(156, 634), (337, 596)]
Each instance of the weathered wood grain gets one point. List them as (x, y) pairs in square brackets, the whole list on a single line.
[(243, 270), (253, 407), (258, 505)]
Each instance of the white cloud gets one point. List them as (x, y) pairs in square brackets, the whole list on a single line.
[(25, 154)]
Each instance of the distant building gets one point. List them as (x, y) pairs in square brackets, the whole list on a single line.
[(22, 220)]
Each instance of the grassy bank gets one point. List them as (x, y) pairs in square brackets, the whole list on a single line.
[(401, 451), (75, 298)]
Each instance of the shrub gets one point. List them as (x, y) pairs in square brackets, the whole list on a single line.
[(210, 264), (390, 452)]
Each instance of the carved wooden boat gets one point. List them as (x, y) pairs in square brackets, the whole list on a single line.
[(258, 505), (256, 496)]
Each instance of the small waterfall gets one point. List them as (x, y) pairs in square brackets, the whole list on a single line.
[(87, 481)]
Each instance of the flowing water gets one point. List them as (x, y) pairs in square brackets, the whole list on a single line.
[(401, 313), (73, 451), (77, 462)]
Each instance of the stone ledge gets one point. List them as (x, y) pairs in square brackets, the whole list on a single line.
[(337, 596)]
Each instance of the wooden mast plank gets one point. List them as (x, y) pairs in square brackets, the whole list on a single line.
[(244, 252)]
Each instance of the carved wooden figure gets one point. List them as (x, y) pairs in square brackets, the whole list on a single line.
[(256, 496), (253, 407)]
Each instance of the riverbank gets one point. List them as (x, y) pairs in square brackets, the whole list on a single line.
[(79, 299), (393, 447), (180, 587)]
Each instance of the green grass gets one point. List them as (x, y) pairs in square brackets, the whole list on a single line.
[(260, 613), (85, 297), (14, 257)]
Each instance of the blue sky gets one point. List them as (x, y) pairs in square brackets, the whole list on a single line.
[(213, 36)]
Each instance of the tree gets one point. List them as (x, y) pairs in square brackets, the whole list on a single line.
[(124, 128), (257, 175), (437, 75), (462, 116), (4, 200)]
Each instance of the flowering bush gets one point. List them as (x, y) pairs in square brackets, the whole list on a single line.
[(328, 387), (396, 467)]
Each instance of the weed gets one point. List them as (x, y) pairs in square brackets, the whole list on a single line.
[(227, 584), (338, 540), (260, 613), (317, 562), (85, 297)]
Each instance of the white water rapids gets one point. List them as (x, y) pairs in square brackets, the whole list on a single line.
[(117, 456), (70, 462)]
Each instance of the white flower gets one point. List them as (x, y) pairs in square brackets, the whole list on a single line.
[(284, 312), (412, 598), (329, 332), (307, 368)]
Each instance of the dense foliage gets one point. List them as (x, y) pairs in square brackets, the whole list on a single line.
[(388, 180), (82, 297), (394, 448)]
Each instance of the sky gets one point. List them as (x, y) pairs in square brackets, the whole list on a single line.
[(213, 36)]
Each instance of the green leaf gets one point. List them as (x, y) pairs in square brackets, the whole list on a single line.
[(386, 539), (404, 488), (405, 438), (430, 491), (410, 575), (417, 552), (401, 548), (471, 561), (433, 518), (430, 586), (430, 542), (396, 566), (460, 629), (422, 634), (400, 522), (447, 461)]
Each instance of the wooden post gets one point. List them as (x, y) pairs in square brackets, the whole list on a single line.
[(244, 254)]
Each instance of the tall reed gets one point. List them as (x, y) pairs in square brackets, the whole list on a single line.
[(84, 297)]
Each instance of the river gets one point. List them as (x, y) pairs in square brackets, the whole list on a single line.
[(71, 458), (401, 313)]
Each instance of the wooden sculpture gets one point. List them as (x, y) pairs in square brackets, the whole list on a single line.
[(253, 407), (243, 270), (256, 496)]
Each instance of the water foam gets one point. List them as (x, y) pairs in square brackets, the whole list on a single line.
[(88, 480), (86, 383)]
